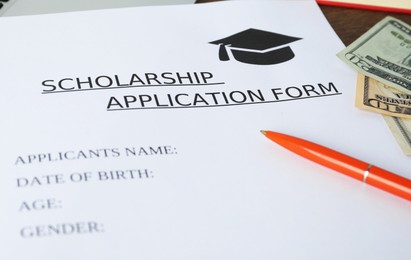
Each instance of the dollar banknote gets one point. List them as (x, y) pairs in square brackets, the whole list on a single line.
[(383, 53), (401, 129), (375, 96)]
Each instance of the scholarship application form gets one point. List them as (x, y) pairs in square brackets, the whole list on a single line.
[(134, 133)]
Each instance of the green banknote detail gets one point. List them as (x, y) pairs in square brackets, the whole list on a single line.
[(401, 129), (383, 53), (375, 96)]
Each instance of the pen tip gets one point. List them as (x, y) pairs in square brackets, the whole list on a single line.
[(263, 132)]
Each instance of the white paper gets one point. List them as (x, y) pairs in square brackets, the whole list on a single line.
[(30, 7), (207, 184)]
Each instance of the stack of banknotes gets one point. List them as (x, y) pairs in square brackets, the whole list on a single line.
[(382, 57)]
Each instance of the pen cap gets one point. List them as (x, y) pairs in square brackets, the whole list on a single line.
[(389, 182)]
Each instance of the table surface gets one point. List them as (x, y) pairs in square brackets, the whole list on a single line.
[(349, 23)]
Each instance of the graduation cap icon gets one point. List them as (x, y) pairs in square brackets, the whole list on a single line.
[(257, 47)]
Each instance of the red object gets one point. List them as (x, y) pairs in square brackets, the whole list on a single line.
[(345, 164), (364, 6)]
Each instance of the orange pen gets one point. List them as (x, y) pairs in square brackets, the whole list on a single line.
[(345, 164)]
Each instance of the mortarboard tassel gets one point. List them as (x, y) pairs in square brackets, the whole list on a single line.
[(222, 53)]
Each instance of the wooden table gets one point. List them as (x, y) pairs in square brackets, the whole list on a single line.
[(350, 23)]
